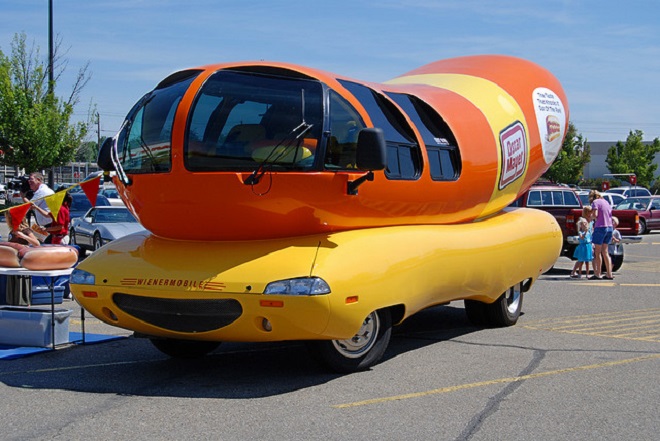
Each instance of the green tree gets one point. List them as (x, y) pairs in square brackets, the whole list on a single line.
[(36, 131), (88, 151), (569, 165), (634, 156)]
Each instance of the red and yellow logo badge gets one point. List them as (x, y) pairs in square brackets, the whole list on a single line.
[(513, 143)]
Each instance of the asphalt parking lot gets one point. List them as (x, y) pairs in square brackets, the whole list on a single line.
[(582, 363)]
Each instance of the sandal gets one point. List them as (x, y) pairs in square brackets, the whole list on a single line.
[(608, 278), (595, 278), (575, 276)]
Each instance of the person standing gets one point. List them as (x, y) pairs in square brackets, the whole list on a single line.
[(602, 212), (41, 190), (58, 230)]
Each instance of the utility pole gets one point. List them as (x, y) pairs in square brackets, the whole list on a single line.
[(51, 78), (98, 131)]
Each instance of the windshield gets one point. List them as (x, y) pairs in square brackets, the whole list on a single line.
[(144, 143), (633, 204), (241, 121), (114, 215)]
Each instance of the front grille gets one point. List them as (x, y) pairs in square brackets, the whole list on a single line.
[(190, 315)]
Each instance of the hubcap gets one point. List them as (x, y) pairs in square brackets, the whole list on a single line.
[(513, 299), (361, 342)]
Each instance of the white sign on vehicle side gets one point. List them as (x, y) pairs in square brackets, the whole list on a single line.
[(551, 121)]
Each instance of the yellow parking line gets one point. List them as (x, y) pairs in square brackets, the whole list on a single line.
[(495, 381), (640, 284)]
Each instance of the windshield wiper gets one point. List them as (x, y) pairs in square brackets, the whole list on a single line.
[(289, 139)]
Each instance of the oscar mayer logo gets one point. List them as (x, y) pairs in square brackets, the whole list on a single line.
[(554, 128), (513, 143)]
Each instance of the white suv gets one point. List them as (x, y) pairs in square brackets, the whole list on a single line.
[(630, 191)]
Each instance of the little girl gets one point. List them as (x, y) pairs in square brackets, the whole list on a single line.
[(584, 252)]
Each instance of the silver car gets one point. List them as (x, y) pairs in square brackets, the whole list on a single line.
[(101, 225)]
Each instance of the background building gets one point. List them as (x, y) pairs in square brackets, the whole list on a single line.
[(598, 167)]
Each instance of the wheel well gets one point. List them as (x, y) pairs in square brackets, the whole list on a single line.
[(527, 284), (397, 312)]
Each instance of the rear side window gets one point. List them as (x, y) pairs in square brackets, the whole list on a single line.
[(441, 147), (403, 155)]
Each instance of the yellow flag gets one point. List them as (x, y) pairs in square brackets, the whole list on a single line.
[(54, 202)]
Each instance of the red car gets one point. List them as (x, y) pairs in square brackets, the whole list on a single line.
[(649, 211)]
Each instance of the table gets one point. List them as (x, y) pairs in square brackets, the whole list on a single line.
[(50, 274)]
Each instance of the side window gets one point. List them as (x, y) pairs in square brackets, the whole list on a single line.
[(403, 155), (570, 199), (557, 198), (345, 125), (441, 147), (655, 204), (546, 197), (534, 198)]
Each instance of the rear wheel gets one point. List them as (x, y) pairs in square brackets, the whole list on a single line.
[(361, 351), (505, 311), (617, 261), (184, 348), (98, 243), (642, 226)]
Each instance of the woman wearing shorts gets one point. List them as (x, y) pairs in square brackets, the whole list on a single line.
[(602, 211)]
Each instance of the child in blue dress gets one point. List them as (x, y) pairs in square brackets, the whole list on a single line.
[(584, 252)]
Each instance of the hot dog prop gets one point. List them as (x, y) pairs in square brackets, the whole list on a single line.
[(45, 257), (495, 122)]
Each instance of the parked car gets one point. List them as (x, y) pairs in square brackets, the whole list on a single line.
[(613, 198), (629, 191), (565, 205), (101, 225), (113, 196), (648, 209), (81, 204)]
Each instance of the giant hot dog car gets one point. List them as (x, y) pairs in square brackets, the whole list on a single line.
[(288, 203)]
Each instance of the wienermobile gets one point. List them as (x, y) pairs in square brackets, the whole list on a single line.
[(288, 203)]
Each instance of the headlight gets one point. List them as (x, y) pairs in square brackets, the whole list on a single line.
[(304, 286), (81, 277)]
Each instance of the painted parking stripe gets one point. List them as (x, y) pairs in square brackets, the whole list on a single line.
[(640, 324), (449, 389)]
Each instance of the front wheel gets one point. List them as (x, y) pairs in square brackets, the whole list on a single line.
[(359, 352), (184, 348)]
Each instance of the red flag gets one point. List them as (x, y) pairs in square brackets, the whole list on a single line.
[(91, 189), (18, 213)]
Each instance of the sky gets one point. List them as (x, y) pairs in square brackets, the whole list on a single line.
[(606, 53)]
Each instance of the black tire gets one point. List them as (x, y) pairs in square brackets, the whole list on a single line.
[(642, 226), (505, 311), (361, 351), (476, 312), (97, 243), (617, 261), (184, 348)]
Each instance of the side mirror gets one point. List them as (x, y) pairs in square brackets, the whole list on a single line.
[(104, 160), (371, 155), (371, 150)]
